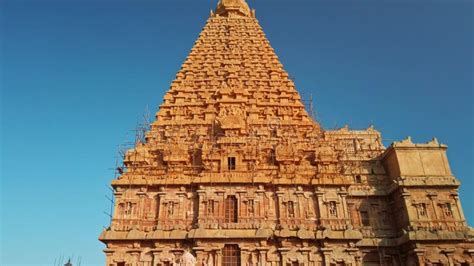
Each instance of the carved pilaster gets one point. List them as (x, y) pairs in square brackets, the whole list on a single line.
[(280, 204), (156, 257), (319, 201), (354, 253), (109, 256), (327, 256), (433, 198), (263, 257), (343, 195), (420, 256), (135, 258), (161, 196), (407, 204), (284, 255), (455, 196), (245, 256), (219, 257)]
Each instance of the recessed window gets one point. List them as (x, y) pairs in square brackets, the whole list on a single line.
[(358, 179), (364, 218), (230, 209), (231, 163), (422, 210), (447, 210), (231, 255), (210, 208), (120, 263)]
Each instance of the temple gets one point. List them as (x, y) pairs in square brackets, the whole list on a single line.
[(234, 171)]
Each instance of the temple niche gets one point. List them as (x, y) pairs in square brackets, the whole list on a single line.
[(234, 171)]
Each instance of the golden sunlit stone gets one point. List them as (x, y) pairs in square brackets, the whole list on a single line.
[(234, 171)]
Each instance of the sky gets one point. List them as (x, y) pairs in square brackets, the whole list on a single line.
[(77, 76)]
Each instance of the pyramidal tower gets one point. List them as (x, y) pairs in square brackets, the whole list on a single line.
[(234, 171)]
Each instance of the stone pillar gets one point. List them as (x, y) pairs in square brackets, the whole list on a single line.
[(221, 214), (279, 206), (160, 196), (327, 256), (182, 205), (358, 260), (200, 256), (354, 253), (471, 253), (449, 253), (136, 258), (240, 203), (156, 258), (408, 207), (458, 206), (300, 204), (263, 258), (219, 257), (260, 192), (433, 197), (271, 205), (283, 255), (343, 195), (420, 256), (109, 254), (244, 257), (201, 193), (319, 202), (305, 253)]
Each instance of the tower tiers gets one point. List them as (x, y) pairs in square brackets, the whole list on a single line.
[(234, 171)]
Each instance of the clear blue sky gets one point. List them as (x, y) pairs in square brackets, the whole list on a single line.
[(78, 75)]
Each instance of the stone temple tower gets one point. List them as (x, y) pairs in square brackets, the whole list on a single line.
[(234, 171)]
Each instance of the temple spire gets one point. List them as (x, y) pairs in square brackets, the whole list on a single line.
[(233, 7)]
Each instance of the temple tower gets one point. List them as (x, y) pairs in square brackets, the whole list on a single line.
[(235, 172)]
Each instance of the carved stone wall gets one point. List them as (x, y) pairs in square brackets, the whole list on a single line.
[(233, 165)]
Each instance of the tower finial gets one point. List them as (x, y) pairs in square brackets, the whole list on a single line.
[(233, 7)]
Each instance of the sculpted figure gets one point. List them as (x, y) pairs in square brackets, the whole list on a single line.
[(210, 260)]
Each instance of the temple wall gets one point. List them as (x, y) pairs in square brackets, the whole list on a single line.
[(287, 253), (235, 168)]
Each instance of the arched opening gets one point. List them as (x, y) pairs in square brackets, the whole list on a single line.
[(231, 255)]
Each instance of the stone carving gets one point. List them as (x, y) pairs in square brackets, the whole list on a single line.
[(231, 122), (187, 259), (234, 169)]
